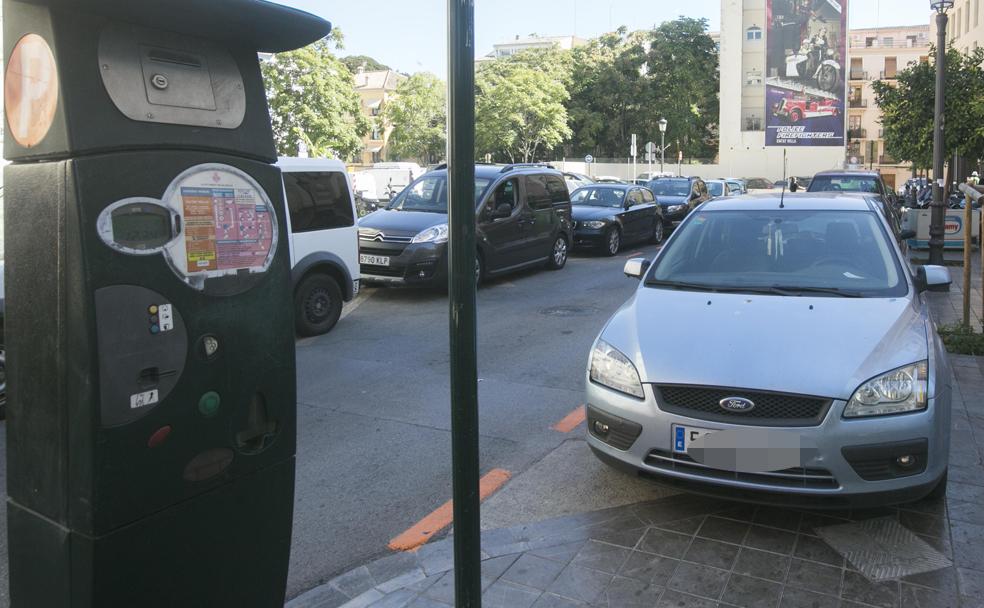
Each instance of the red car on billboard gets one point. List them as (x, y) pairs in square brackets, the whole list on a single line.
[(795, 110)]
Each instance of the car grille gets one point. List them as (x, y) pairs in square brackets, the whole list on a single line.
[(816, 479), (771, 409), (370, 236), (381, 271)]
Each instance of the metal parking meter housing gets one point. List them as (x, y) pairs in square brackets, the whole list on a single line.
[(152, 397)]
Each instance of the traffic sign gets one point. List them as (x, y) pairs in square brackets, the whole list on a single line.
[(651, 148), (589, 159)]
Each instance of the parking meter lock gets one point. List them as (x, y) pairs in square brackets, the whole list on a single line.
[(152, 397)]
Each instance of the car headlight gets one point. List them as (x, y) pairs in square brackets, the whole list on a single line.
[(611, 368), (434, 234), (594, 224), (675, 208), (901, 390)]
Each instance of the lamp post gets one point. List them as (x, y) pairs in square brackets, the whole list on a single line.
[(936, 230), (662, 143)]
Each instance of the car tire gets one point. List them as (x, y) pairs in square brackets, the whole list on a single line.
[(939, 490), (479, 270), (613, 241), (659, 232), (795, 116), (317, 305), (558, 253)]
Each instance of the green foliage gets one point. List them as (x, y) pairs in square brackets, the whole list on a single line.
[(312, 99), (418, 115), (623, 83), (962, 340), (354, 62), (519, 105), (908, 108)]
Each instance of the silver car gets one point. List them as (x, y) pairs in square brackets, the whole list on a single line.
[(777, 350)]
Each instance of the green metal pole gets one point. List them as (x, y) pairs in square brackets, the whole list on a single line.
[(462, 264)]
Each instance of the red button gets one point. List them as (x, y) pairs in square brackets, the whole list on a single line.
[(159, 436)]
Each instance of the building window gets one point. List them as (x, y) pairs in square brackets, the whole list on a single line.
[(888, 42), (870, 42), (753, 33), (377, 157), (753, 78), (752, 122), (912, 41), (977, 12), (967, 20), (375, 134)]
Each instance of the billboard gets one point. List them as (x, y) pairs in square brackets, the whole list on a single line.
[(805, 86)]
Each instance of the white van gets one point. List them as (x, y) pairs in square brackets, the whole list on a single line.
[(384, 179), (324, 242)]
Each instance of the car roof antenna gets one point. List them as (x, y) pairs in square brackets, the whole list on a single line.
[(785, 166)]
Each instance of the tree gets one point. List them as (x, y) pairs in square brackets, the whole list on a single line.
[(354, 62), (312, 100), (908, 108), (418, 115), (519, 105)]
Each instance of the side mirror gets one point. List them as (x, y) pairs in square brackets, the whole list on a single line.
[(905, 235), (636, 267), (933, 278), (502, 212)]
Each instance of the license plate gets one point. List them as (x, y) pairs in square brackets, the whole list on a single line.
[(683, 436), (374, 260)]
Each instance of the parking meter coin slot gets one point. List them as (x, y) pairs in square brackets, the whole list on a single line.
[(137, 368), (260, 430)]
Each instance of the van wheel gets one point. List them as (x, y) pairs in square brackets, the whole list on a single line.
[(317, 305), (558, 253)]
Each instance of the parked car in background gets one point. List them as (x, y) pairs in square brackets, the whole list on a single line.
[(381, 182), (737, 184), (651, 175), (718, 188), (851, 181), (678, 196), (759, 419), (606, 216), (758, 185), (523, 214), (608, 179), (324, 249), (576, 180)]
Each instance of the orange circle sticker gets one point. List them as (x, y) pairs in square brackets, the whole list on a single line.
[(30, 90)]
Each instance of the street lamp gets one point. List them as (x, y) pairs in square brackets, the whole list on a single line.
[(936, 230), (662, 143)]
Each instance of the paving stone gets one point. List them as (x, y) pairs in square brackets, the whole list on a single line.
[(683, 526), (762, 564), (663, 542), (443, 589), (580, 584), (712, 553), (559, 553), (973, 474), (362, 600), (425, 584), (770, 539), (812, 521), (493, 567), (649, 568), (601, 556), (397, 599), (324, 596), (436, 557), (506, 595), (717, 528), (414, 576), (741, 512), (801, 598), (751, 592), (549, 600), (354, 582), (921, 597), (883, 549), (629, 593), (815, 549), (532, 571), (675, 599), (859, 589), (426, 602), (776, 517), (503, 542), (964, 492), (923, 523), (624, 538), (971, 583), (968, 512), (942, 580), (699, 580), (814, 576), (390, 567)]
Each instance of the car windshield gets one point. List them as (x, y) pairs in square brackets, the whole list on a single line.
[(784, 252), (715, 188), (670, 187), (598, 197), (430, 194), (844, 183)]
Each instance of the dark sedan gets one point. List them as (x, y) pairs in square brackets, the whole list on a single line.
[(608, 215)]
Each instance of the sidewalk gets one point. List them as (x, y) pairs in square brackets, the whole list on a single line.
[(948, 308), (686, 551)]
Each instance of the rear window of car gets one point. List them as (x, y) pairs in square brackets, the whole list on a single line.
[(759, 184), (318, 200), (845, 183)]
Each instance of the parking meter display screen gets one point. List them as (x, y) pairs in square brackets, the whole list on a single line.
[(141, 227)]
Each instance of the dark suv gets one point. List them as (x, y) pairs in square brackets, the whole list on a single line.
[(523, 214), (678, 196)]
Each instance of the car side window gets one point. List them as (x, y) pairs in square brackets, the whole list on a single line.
[(557, 189), (505, 193), (537, 192), (635, 198), (318, 200), (647, 196)]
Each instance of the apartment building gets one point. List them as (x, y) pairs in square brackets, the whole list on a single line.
[(376, 89), (878, 54), (965, 29), (520, 44)]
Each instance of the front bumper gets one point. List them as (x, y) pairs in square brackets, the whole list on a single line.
[(676, 217), (589, 238), (415, 265), (851, 466)]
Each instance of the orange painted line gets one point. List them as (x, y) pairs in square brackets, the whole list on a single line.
[(570, 421), (441, 517)]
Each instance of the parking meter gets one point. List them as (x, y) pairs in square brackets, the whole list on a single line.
[(151, 412)]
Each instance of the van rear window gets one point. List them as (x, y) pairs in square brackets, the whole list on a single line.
[(318, 200)]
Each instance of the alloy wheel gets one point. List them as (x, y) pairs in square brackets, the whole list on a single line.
[(560, 251), (614, 242)]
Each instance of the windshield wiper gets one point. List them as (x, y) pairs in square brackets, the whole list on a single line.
[(681, 285), (791, 290), (781, 290)]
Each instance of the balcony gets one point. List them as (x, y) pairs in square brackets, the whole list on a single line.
[(888, 74), (858, 103), (887, 159), (857, 133), (859, 75)]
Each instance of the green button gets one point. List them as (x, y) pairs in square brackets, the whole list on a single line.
[(208, 405)]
